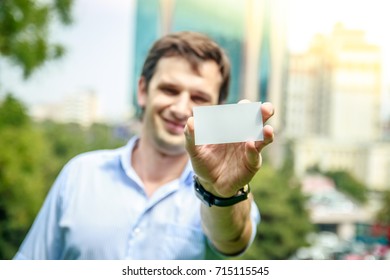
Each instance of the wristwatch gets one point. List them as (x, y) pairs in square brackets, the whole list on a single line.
[(209, 199)]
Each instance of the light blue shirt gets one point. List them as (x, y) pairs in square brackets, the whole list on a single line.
[(98, 209)]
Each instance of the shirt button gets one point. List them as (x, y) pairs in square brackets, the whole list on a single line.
[(136, 231)]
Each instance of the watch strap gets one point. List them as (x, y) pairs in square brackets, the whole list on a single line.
[(209, 199)]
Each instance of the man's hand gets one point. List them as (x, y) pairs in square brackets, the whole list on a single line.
[(224, 169)]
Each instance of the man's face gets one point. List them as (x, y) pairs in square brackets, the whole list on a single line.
[(174, 90)]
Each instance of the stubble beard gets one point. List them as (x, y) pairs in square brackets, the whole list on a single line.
[(170, 147)]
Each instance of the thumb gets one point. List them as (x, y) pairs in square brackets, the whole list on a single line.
[(189, 133), (253, 156)]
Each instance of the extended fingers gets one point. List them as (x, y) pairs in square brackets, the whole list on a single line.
[(267, 110), (253, 149), (268, 133), (253, 156)]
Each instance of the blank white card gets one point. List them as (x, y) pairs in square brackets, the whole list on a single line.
[(228, 123)]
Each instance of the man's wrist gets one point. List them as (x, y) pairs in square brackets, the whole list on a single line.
[(211, 199)]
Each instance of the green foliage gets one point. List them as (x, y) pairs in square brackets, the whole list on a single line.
[(12, 112), (24, 162), (284, 218), (31, 156), (24, 165), (68, 140), (347, 184), (383, 215), (25, 31)]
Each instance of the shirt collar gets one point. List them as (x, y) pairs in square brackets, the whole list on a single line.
[(125, 158)]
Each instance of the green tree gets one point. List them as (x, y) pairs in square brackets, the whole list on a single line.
[(24, 165), (12, 112), (31, 156), (285, 221), (68, 140), (25, 31), (347, 184), (383, 215)]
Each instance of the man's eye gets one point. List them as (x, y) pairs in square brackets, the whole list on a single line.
[(199, 99), (170, 91)]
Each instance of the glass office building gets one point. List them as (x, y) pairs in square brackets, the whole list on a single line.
[(242, 28)]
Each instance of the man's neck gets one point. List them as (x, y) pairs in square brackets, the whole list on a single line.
[(154, 167)]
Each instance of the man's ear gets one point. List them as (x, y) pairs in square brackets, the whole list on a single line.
[(142, 92)]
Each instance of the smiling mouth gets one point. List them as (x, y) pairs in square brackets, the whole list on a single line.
[(174, 127)]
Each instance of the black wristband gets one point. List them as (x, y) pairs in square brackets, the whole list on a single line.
[(209, 199)]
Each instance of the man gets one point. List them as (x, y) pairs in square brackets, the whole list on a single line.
[(138, 201)]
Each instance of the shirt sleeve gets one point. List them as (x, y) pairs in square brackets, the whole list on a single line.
[(44, 239), (255, 218)]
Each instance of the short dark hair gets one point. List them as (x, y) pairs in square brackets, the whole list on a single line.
[(195, 48)]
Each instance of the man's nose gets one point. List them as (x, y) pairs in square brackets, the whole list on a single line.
[(181, 108)]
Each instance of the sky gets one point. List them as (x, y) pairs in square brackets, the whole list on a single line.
[(98, 59), (308, 17), (99, 48)]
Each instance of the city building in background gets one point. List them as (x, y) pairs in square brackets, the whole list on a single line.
[(386, 123), (80, 107), (252, 32), (327, 99), (334, 88), (333, 107)]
